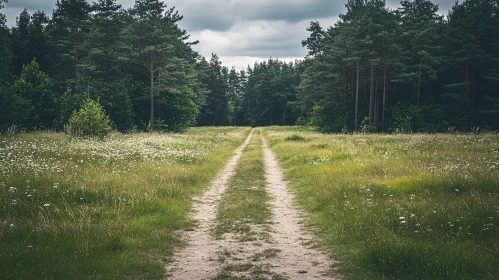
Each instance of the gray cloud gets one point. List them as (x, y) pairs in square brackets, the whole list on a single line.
[(31, 5), (15, 7), (239, 31), (289, 10), (221, 15), (443, 5)]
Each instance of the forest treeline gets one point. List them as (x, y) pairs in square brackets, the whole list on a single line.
[(407, 69), (376, 69)]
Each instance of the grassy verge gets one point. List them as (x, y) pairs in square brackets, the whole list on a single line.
[(399, 206), (244, 204), (82, 209), (244, 211)]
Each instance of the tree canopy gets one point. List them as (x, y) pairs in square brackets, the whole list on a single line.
[(376, 69)]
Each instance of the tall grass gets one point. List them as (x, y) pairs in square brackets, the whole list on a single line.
[(85, 209), (399, 206)]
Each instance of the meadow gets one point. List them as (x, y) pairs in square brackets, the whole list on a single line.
[(383, 206), (102, 209), (398, 206)]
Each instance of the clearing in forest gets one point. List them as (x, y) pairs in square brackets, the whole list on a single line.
[(248, 227), (383, 206)]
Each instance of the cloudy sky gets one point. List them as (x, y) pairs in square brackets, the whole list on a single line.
[(240, 32)]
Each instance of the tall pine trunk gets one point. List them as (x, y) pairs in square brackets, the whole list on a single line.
[(151, 73), (346, 85), (467, 81), (419, 86), (371, 97), (357, 96), (353, 88), (384, 100), (345, 109), (284, 114), (376, 100), (337, 99), (473, 90)]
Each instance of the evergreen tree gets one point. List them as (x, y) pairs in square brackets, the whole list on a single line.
[(29, 40), (314, 41), (233, 95), (21, 42), (37, 47), (156, 41), (421, 32), (35, 88), (239, 106), (101, 70), (473, 45), (269, 89), (5, 46), (11, 114), (202, 69), (67, 31), (215, 112)]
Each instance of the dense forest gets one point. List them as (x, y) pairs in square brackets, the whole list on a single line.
[(377, 69)]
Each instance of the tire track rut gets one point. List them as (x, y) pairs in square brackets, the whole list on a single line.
[(285, 235), (196, 260)]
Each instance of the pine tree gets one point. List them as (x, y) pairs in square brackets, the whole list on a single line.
[(155, 41), (233, 95), (38, 39), (101, 69), (314, 41), (215, 112), (5, 46), (35, 87), (67, 31), (473, 45), (422, 29), (20, 38), (29, 40)]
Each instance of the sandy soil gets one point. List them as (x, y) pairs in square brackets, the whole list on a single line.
[(206, 257), (287, 234), (196, 261)]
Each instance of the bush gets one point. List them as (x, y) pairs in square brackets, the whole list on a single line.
[(365, 127), (90, 120), (296, 138)]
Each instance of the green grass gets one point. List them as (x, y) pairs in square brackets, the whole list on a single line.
[(245, 203), (85, 209), (245, 212), (266, 254), (251, 272), (399, 206)]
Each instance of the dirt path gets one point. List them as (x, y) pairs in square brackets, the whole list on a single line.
[(279, 254), (287, 234), (196, 260)]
